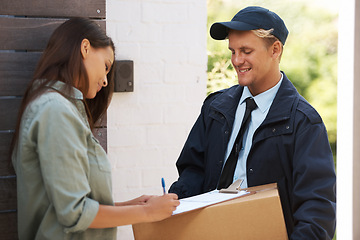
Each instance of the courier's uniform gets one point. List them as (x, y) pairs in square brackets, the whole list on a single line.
[(290, 147), (63, 173)]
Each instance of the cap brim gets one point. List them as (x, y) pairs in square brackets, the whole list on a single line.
[(220, 30)]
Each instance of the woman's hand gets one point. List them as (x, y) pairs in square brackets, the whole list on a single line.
[(142, 209), (136, 201), (160, 207)]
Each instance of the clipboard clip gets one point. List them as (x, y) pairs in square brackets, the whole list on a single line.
[(233, 188)]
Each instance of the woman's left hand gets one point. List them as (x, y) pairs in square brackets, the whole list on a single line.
[(136, 201)]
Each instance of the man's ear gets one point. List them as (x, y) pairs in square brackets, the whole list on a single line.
[(85, 48), (276, 49)]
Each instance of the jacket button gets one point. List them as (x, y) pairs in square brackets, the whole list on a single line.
[(274, 130), (251, 170), (287, 127), (226, 132)]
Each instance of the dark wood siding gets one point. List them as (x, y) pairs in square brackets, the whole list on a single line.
[(46, 8), (25, 27)]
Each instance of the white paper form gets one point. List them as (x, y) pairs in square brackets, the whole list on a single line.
[(206, 199)]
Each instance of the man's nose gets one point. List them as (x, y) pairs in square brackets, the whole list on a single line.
[(238, 60)]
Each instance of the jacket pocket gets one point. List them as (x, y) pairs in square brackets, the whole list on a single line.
[(217, 116)]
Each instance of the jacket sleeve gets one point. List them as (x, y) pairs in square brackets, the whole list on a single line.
[(314, 180)]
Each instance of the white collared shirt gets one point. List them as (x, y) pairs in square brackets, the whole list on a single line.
[(263, 101)]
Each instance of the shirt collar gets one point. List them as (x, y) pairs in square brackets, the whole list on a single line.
[(262, 100), (70, 92)]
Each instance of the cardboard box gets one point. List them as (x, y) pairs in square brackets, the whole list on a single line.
[(251, 217)]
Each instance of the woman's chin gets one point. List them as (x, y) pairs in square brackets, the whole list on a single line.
[(90, 95)]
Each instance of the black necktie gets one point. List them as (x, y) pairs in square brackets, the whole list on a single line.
[(227, 174)]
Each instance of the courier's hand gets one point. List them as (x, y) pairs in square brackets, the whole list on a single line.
[(161, 207)]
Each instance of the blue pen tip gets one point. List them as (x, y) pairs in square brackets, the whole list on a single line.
[(163, 185)]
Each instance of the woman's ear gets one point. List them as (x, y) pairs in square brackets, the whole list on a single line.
[(85, 48)]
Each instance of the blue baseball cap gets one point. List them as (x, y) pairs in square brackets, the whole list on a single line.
[(251, 18)]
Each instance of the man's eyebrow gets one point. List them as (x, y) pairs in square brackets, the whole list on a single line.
[(241, 48)]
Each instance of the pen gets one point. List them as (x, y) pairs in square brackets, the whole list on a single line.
[(163, 185)]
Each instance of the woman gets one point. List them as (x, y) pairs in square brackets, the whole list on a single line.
[(63, 174)]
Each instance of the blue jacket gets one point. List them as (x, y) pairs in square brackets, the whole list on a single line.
[(290, 148)]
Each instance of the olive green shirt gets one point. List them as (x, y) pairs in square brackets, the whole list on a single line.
[(63, 173)]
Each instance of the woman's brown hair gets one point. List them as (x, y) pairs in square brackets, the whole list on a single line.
[(62, 61)]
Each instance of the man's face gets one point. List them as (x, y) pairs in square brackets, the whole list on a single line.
[(253, 61)]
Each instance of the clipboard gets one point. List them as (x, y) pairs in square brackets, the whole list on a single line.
[(233, 188), (211, 198)]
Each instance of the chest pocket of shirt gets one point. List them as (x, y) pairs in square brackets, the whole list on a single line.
[(100, 156)]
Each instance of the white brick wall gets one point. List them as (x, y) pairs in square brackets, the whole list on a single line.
[(147, 128)]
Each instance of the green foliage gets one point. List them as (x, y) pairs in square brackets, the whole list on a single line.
[(309, 58)]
